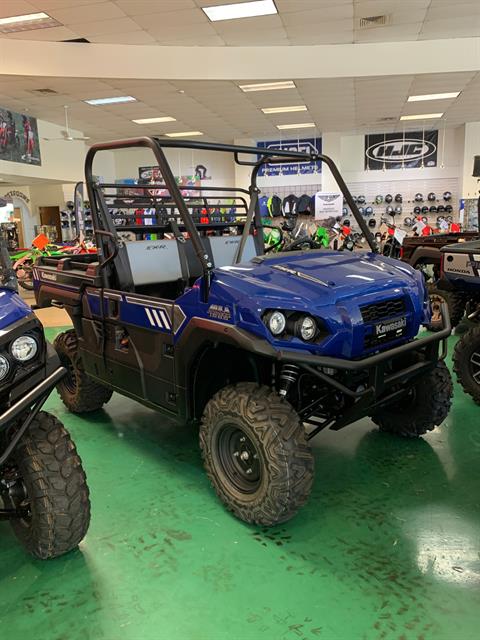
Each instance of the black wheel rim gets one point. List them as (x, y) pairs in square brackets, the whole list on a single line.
[(69, 381), (239, 459), (475, 366)]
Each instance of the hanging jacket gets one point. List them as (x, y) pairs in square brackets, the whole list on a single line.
[(263, 206), (289, 205), (274, 206), (304, 204)]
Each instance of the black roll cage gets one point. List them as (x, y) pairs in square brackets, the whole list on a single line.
[(105, 232)]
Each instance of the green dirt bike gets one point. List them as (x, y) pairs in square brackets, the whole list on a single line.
[(291, 236), (23, 261)]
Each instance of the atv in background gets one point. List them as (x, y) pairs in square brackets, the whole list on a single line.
[(461, 270), (424, 253), (43, 490)]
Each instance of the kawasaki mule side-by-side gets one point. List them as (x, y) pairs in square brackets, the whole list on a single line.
[(262, 350), (43, 491)]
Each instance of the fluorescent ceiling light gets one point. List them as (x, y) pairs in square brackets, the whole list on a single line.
[(301, 125), (267, 86), (300, 107), (27, 22), (434, 96), (99, 101), (184, 134), (154, 120), (240, 10), (422, 116)]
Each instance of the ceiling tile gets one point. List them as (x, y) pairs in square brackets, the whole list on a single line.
[(100, 27), (79, 14)]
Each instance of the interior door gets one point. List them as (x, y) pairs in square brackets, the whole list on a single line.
[(51, 216), (17, 214)]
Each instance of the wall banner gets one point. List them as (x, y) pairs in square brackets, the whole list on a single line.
[(410, 150), (305, 145), (19, 138)]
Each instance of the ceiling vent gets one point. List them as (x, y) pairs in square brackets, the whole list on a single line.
[(82, 40), (373, 21), (46, 92), (388, 119)]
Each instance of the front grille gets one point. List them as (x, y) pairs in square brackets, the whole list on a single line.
[(383, 310)]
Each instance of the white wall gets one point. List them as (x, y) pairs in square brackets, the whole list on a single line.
[(470, 186)]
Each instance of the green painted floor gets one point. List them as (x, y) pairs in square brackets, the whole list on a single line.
[(387, 547)]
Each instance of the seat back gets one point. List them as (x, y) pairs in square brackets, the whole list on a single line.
[(224, 249), (154, 261)]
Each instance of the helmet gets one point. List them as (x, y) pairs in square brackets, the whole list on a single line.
[(424, 209), (361, 199), (388, 198), (447, 196), (398, 209), (368, 211), (418, 197), (408, 222), (69, 204), (431, 197), (346, 222), (441, 208), (372, 222), (378, 236), (345, 211), (398, 197), (449, 219), (433, 209), (355, 199), (417, 210), (361, 210), (448, 208), (439, 220), (425, 219), (390, 210), (378, 199)]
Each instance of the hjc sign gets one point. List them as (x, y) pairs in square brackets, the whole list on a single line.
[(401, 150)]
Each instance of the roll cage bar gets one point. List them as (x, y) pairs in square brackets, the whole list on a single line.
[(105, 232)]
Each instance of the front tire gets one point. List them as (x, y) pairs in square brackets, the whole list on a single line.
[(466, 362), (455, 303), (79, 392), (255, 453), (426, 406), (51, 488)]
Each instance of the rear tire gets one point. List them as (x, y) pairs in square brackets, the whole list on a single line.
[(454, 301), (428, 406), (466, 363), (54, 490), (255, 453), (79, 392)]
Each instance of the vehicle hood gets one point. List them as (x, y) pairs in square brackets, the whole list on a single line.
[(12, 308), (319, 277)]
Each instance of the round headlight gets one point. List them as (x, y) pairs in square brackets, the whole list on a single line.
[(277, 322), (24, 348), (307, 328), (4, 367)]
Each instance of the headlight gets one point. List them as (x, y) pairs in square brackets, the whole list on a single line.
[(24, 348), (306, 328), (4, 367), (276, 322)]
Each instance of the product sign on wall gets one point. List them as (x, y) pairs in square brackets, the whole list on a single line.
[(304, 145), (328, 205), (409, 150), (19, 138)]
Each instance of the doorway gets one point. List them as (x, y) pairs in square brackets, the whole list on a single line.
[(17, 217), (51, 216)]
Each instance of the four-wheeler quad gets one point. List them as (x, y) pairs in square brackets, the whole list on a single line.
[(425, 253), (264, 351), (43, 490), (461, 269)]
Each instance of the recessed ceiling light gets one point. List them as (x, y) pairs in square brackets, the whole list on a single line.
[(154, 120), (240, 10), (422, 116), (99, 101), (27, 22), (267, 86), (300, 107), (184, 134), (434, 96), (301, 125)]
